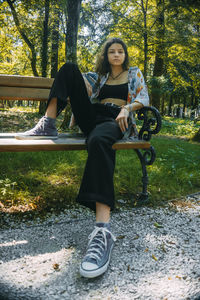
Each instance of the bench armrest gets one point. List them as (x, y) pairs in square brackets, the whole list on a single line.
[(151, 122)]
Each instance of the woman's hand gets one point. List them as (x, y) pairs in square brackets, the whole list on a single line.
[(122, 119), (88, 87)]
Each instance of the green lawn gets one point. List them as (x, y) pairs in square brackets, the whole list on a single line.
[(50, 180), (179, 127)]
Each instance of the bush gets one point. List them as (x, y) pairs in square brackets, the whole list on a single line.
[(196, 137)]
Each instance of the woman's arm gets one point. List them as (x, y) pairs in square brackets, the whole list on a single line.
[(122, 118), (141, 97), (133, 106)]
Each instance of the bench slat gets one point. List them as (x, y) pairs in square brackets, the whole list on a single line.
[(13, 145), (25, 81), (122, 145), (61, 144), (20, 93)]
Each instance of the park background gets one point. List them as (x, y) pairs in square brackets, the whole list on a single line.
[(37, 37)]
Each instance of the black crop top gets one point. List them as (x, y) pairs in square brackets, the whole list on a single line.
[(119, 91)]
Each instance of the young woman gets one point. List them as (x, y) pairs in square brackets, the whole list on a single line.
[(101, 103)]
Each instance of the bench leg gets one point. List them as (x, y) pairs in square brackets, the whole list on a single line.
[(146, 158)]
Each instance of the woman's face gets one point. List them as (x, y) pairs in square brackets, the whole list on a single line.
[(116, 55)]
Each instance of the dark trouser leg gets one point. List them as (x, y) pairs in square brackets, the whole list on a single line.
[(97, 182), (70, 83)]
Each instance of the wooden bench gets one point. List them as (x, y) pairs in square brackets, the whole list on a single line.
[(37, 89)]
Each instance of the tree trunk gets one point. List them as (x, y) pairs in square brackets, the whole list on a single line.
[(145, 37), (162, 106), (192, 99), (24, 37), (184, 107), (145, 56), (178, 111), (55, 39), (73, 13), (170, 106), (44, 50), (196, 101), (160, 51)]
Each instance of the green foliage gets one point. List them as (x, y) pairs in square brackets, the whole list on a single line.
[(11, 194), (42, 178), (51, 180), (175, 172), (179, 127), (7, 188), (134, 21), (196, 136), (14, 56)]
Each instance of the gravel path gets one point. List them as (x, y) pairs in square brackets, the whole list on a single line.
[(156, 256)]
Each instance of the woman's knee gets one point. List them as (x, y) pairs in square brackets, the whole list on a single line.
[(95, 141), (69, 66)]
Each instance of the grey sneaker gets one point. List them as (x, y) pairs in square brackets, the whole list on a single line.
[(44, 129), (97, 258)]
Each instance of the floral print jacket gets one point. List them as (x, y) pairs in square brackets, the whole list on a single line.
[(137, 91)]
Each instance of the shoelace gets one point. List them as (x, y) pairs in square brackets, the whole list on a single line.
[(39, 125), (98, 242)]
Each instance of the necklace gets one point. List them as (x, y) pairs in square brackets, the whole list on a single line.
[(116, 76)]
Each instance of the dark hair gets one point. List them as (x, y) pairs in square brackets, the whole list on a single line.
[(102, 65)]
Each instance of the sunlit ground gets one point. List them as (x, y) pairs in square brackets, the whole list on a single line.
[(35, 270), (154, 258)]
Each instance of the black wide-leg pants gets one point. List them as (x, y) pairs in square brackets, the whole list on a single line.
[(98, 123)]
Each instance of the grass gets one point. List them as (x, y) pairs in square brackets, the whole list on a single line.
[(174, 173), (45, 181), (184, 128)]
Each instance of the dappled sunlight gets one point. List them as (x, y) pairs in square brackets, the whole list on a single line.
[(25, 109), (155, 168), (35, 270), (177, 127), (59, 180), (159, 284), (158, 252), (39, 180), (156, 240), (13, 243)]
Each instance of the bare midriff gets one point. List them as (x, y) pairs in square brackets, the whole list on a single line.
[(115, 101)]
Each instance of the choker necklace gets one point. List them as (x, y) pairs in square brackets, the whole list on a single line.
[(116, 76)]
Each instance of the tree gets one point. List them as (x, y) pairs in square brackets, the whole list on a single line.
[(55, 37), (44, 49), (25, 37), (162, 37), (158, 69), (73, 13)]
